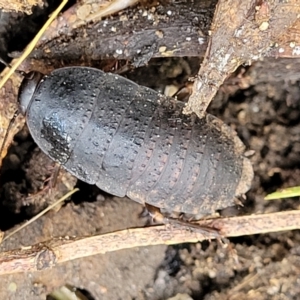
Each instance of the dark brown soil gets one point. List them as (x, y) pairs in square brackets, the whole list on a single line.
[(263, 109), (266, 117)]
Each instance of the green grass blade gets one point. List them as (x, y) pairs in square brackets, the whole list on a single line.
[(284, 193)]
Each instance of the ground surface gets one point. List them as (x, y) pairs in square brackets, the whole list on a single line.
[(262, 104), (266, 116)]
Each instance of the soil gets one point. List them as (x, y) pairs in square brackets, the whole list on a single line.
[(266, 116)]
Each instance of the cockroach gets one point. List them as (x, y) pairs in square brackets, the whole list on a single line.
[(132, 141)]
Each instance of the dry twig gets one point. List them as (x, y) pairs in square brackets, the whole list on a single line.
[(50, 253), (241, 32)]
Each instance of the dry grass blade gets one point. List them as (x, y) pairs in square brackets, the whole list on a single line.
[(32, 44), (41, 213)]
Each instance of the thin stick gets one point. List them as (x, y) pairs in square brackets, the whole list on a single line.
[(32, 44), (48, 254), (66, 196), (10, 125)]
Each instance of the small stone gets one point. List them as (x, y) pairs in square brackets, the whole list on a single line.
[(162, 49), (264, 26), (181, 297)]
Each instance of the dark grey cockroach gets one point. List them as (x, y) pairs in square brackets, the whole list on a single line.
[(130, 140)]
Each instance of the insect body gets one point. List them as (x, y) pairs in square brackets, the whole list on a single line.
[(130, 140)]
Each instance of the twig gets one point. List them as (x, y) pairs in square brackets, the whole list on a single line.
[(241, 32), (48, 254)]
